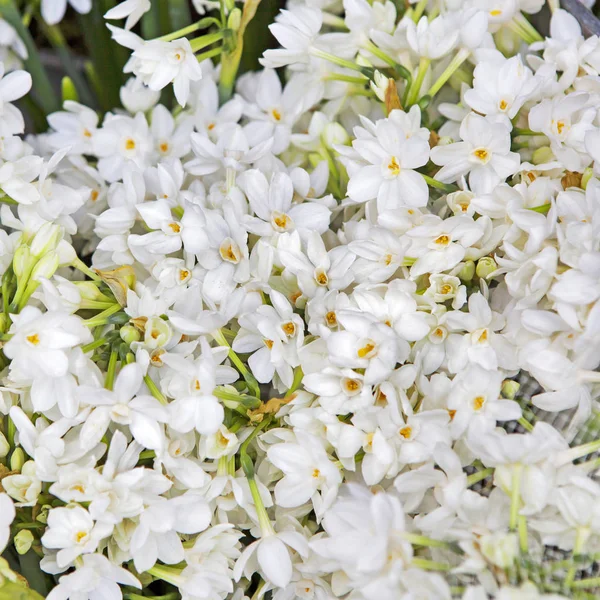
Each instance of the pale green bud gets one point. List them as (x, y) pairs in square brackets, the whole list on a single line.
[(17, 460), (467, 271), (234, 19), (21, 260), (485, 267), (334, 133), (379, 85), (4, 445), (587, 175), (46, 266), (129, 334), (445, 141), (88, 290), (69, 91), (510, 389), (46, 239), (23, 541), (43, 514), (542, 155)]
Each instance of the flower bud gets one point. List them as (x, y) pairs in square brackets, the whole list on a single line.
[(467, 272), (69, 91), (379, 85), (234, 19), (510, 389), (46, 239), (500, 548), (334, 133), (43, 514), (66, 253), (542, 155), (23, 541), (17, 460), (587, 175), (485, 267), (21, 260), (4, 445), (445, 141), (88, 290), (129, 334), (46, 266)]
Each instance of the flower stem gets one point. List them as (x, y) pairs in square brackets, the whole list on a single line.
[(93, 345), (206, 40), (438, 185), (515, 496), (81, 266), (479, 476), (415, 87), (111, 369), (429, 565), (235, 359), (154, 390), (101, 318), (455, 63)]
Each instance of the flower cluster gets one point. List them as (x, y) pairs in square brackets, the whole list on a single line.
[(269, 342)]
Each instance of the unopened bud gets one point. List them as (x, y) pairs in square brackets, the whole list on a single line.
[(4, 445), (23, 541), (88, 290), (21, 260), (445, 140), (17, 460), (467, 272), (334, 133), (234, 19), (510, 389), (587, 175), (43, 514), (542, 155), (69, 91), (46, 239), (46, 266), (119, 281), (129, 334), (485, 267)]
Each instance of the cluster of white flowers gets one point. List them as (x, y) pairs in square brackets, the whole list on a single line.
[(268, 344)]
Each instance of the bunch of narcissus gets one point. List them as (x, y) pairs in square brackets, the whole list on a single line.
[(264, 337)]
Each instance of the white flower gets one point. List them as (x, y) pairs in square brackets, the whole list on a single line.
[(272, 203), (53, 11), (484, 154), (8, 514), (133, 10), (72, 531), (390, 152), (307, 470), (142, 414)]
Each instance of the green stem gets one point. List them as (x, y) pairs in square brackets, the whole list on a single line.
[(448, 188), (183, 31), (336, 60), (419, 10), (515, 496), (206, 40), (347, 78), (590, 582), (420, 540), (111, 370), (209, 53), (154, 390), (415, 87), (168, 574), (580, 538), (235, 359), (93, 345), (230, 60), (522, 526), (81, 266), (429, 565), (479, 476), (298, 376), (542, 209), (525, 424), (455, 63), (101, 318)]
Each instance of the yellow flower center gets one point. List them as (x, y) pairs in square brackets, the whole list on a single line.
[(478, 402), (331, 318), (175, 227), (33, 339), (446, 289), (289, 328), (276, 114), (394, 166), (442, 240), (129, 144), (406, 432), (268, 343), (481, 154), (367, 350)]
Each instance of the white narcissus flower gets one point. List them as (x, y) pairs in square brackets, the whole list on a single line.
[(389, 151), (484, 154), (8, 514), (53, 11), (133, 10), (73, 532), (141, 413)]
